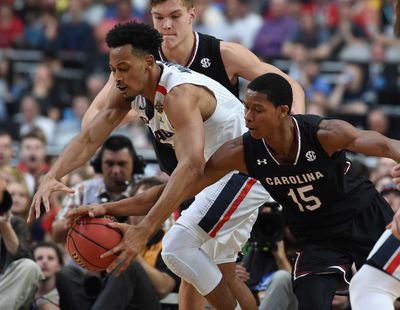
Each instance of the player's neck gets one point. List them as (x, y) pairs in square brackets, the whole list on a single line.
[(152, 83), (283, 144), (182, 53)]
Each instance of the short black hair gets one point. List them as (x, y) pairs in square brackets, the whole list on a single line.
[(140, 36), (276, 87), (52, 245), (116, 143), (146, 183)]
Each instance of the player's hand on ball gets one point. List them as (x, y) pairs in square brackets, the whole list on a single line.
[(396, 175), (91, 210), (47, 186), (132, 244)]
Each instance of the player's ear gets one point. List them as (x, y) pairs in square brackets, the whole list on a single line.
[(192, 15), (149, 61), (284, 110)]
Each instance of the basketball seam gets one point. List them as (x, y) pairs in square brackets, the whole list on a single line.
[(96, 243), (82, 256)]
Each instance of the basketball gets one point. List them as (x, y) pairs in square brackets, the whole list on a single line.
[(88, 238)]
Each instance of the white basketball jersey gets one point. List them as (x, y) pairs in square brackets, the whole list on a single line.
[(226, 122)]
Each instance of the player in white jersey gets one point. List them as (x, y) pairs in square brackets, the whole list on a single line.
[(226, 121), (185, 110)]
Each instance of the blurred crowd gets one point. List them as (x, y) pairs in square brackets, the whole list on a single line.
[(54, 61), (53, 57)]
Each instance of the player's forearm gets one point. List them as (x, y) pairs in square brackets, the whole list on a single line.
[(372, 143), (139, 204)]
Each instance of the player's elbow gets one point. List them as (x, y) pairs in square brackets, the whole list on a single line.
[(196, 166)]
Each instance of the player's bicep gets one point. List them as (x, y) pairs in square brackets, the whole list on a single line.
[(337, 135), (240, 61), (185, 116)]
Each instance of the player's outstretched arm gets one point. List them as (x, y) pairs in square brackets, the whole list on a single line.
[(335, 135), (137, 205), (99, 104), (240, 61), (77, 152)]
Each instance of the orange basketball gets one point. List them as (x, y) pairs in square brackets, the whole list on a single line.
[(88, 238)]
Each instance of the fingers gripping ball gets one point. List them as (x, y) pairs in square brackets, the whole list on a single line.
[(88, 238)]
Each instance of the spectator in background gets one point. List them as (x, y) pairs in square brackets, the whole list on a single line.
[(379, 121), (313, 82), (19, 275), (240, 23), (7, 168), (311, 36), (44, 90), (93, 11), (5, 90), (94, 84), (277, 28), (49, 258), (389, 191), (70, 126), (382, 169), (349, 95), (123, 13), (33, 158), (11, 26), (75, 36), (208, 16), (348, 37), (20, 199), (30, 118), (6, 149), (40, 24)]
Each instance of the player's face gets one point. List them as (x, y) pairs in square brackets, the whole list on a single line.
[(174, 21), (261, 116), (129, 71), (46, 258), (117, 168)]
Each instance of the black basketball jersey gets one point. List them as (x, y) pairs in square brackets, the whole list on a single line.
[(206, 59), (320, 194)]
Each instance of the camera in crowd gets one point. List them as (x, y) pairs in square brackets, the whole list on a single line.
[(268, 230), (269, 227)]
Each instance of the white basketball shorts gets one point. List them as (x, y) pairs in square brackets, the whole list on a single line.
[(223, 214)]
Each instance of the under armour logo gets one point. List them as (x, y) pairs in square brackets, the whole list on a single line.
[(261, 162), (205, 62), (310, 155)]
